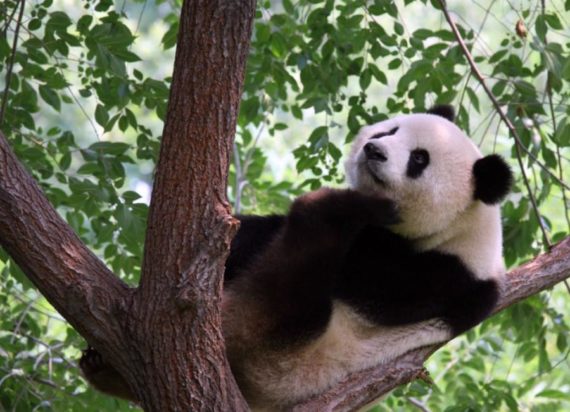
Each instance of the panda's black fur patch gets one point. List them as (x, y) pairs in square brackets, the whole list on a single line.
[(382, 134), (417, 163), (444, 110), (336, 248), (392, 284), (254, 234), (493, 179)]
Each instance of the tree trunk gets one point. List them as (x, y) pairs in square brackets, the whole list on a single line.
[(190, 226)]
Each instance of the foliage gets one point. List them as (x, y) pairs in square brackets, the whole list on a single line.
[(84, 90)]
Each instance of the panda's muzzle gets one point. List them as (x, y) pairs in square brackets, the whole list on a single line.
[(373, 152)]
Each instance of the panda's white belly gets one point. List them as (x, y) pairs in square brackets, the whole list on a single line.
[(349, 344)]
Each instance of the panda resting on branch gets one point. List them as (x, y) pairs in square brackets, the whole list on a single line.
[(409, 256)]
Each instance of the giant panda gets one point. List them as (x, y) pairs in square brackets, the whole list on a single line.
[(410, 255)]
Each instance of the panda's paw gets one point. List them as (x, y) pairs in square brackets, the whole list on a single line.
[(425, 376), (91, 362), (103, 376)]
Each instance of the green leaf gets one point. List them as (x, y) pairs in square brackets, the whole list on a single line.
[(34, 24), (83, 23), (562, 136), (553, 394), (278, 45), (65, 161), (378, 74), (553, 21), (473, 98), (398, 28), (365, 79), (169, 39), (540, 27), (110, 148), (101, 115), (249, 109), (318, 134), (394, 64), (50, 97)]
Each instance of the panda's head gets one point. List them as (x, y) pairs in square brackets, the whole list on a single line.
[(429, 167)]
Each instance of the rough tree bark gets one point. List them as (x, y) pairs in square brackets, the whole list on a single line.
[(190, 225), (164, 336)]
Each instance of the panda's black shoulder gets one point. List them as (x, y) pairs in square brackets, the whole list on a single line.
[(253, 236)]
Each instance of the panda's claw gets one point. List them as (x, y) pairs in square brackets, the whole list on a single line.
[(425, 376), (91, 361), (103, 376)]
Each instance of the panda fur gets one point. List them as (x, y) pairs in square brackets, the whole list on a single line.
[(410, 255)]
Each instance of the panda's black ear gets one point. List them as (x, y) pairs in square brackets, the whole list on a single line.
[(493, 179), (443, 110)]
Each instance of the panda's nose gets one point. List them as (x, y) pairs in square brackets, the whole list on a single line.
[(373, 152)]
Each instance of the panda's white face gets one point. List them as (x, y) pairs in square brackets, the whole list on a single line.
[(421, 161)]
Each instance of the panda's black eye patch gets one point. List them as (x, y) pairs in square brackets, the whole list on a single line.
[(382, 134), (419, 160)]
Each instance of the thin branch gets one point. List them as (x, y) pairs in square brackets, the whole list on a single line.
[(238, 179), (9, 19), (11, 62), (554, 130), (418, 404), (504, 118)]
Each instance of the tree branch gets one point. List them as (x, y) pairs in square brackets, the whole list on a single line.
[(70, 276), (361, 388)]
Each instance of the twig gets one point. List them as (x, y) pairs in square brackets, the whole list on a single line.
[(237, 165), (9, 19), (504, 118), (11, 63), (418, 404), (241, 169), (558, 155), (554, 129)]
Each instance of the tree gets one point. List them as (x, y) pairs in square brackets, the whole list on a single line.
[(175, 307)]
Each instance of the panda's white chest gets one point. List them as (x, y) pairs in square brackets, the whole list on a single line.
[(349, 344)]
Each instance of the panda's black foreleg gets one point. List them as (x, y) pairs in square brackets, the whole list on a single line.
[(338, 212), (294, 277), (401, 286)]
